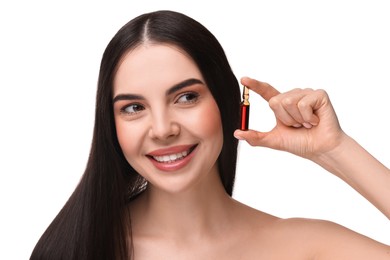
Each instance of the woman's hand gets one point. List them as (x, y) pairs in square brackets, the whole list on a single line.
[(306, 124)]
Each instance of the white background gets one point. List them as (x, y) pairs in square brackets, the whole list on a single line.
[(49, 60)]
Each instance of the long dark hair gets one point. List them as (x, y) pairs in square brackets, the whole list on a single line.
[(95, 221)]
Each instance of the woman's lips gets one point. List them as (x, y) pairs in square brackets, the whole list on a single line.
[(172, 158)]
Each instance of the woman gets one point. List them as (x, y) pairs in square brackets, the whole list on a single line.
[(160, 176)]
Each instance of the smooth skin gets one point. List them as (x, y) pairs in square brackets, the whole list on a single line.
[(185, 213)]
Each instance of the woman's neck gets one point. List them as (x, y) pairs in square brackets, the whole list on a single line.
[(196, 212)]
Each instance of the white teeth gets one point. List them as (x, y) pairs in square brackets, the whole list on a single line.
[(171, 157)]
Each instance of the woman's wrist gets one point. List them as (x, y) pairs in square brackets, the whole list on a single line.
[(339, 156)]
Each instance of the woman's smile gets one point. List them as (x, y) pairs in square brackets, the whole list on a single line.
[(172, 158)]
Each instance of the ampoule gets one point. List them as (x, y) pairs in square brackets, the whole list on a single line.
[(245, 109)]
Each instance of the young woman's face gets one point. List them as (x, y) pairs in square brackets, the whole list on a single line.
[(168, 123)]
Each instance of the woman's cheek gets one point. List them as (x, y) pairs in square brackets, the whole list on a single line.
[(204, 122), (209, 120), (127, 137)]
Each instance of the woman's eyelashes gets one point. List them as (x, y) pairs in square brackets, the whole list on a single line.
[(187, 98), (132, 109)]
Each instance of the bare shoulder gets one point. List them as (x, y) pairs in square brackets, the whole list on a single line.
[(299, 238), (271, 237), (333, 241)]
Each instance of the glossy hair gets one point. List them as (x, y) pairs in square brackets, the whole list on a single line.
[(95, 221)]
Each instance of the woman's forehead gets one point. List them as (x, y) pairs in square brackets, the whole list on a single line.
[(154, 65)]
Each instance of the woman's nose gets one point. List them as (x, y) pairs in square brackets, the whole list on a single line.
[(163, 127)]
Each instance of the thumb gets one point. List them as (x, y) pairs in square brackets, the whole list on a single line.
[(254, 138)]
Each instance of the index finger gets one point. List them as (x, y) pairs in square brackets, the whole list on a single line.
[(262, 88)]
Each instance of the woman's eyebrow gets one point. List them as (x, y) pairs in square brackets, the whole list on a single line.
[(183, 84), (127, 97), (171, 90)]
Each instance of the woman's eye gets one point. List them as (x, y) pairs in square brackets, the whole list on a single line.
[(188, 98), (132, 109)]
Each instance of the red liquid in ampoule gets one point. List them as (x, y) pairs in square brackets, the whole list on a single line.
[(244, 117)]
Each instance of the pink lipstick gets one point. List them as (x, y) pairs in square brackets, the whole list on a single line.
[(172, 158)]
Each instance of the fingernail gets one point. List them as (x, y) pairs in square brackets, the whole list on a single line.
[(307, 125), (238, 137), (297, 125)]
